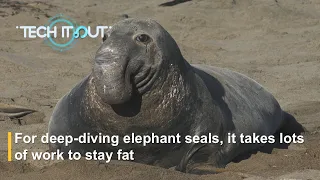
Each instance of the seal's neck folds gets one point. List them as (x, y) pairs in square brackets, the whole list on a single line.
[(172, 89)]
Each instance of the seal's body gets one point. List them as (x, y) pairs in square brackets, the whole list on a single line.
[(141, 84)]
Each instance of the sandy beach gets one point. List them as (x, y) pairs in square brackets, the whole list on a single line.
[(275, 42)]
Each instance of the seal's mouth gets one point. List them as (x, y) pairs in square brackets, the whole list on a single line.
[(116, 83)]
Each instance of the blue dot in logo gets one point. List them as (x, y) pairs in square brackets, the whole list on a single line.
[(77, 32)]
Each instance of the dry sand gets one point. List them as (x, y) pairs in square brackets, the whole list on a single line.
[(276, 43)]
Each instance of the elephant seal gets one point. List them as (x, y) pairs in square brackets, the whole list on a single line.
[(14, 111), (140, 83)]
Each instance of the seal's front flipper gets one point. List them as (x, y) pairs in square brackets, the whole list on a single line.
[(13, 111), (182, 167)]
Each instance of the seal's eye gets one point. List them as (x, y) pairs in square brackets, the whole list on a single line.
[(143, 38)]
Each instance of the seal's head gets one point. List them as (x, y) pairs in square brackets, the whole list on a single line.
[(135, 55)]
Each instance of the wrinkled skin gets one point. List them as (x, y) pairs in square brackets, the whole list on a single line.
[(141, 83)]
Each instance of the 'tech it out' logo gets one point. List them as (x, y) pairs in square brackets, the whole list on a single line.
[(61, 32)]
